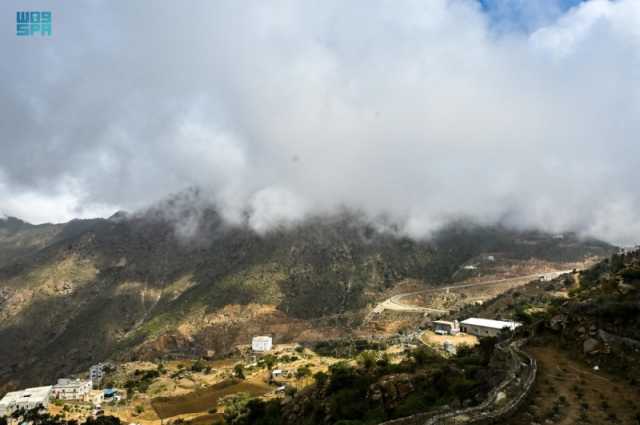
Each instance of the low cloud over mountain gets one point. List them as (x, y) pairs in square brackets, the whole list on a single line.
[(417, 111)]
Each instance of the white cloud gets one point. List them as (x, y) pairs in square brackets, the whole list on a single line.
[(418, 111)]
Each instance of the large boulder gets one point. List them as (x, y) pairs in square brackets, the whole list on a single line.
[(590, 345)]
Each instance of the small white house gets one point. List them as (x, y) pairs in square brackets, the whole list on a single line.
[(72, 389), (25, 399), (261, 344), (486, 327), (444, 327)]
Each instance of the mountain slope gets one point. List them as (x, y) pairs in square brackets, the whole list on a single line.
[(18, 238), (592, 315), (134, 286)]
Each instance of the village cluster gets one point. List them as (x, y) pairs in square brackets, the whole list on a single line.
[(88, 392), (66, 389)]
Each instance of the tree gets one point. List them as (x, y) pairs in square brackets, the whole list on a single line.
[(367, 359), (235, 409), (103, 420), (37, 417), (238, 370), (303, 371), (198, 366), (321, 378), (269, 361), (616, 263), (422, 355)]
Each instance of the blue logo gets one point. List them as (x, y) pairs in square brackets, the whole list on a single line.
[(33, 23)]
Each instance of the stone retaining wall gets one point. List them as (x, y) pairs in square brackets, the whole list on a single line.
[(520, 379)]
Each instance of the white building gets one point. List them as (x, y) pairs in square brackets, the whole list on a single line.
[(261, 343), (443, 327), (486, 327), (72, 389), (25, 399)]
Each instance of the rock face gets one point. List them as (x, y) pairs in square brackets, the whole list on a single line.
[(558, 322), (590, 346), (391, 389)]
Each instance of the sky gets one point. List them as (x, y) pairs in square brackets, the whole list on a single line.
[(511, 111)]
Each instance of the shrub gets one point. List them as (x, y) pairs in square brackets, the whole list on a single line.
[(238, 371), (198, 366), (302, 372), (269, 361), (367, 359), (321, 378)]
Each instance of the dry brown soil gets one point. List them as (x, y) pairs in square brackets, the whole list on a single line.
[(568, 392)]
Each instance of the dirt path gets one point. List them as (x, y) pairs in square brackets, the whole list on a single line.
[(567, 393), (430, 338)]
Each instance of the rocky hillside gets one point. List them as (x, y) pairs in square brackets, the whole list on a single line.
[(176, 279), (592, 315), (18, 238)]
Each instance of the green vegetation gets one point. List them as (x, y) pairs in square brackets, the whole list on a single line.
[(150, 283), (303, 372), (422, 381), (35, 417), (347, 347), (142, 380), (238, 371), (243, 409), (198, 366)]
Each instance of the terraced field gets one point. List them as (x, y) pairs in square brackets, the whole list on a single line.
[(205, 399)]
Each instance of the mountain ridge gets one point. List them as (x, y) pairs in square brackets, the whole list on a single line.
[(135, 286)]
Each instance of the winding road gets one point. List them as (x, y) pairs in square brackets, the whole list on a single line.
[(395, 303)]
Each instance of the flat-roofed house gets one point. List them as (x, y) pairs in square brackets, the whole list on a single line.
[(72, 389), (444, 327), (25, 399), (261, 344), (486, 327)]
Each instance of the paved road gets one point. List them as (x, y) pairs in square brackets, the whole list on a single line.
[(395, 303)]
